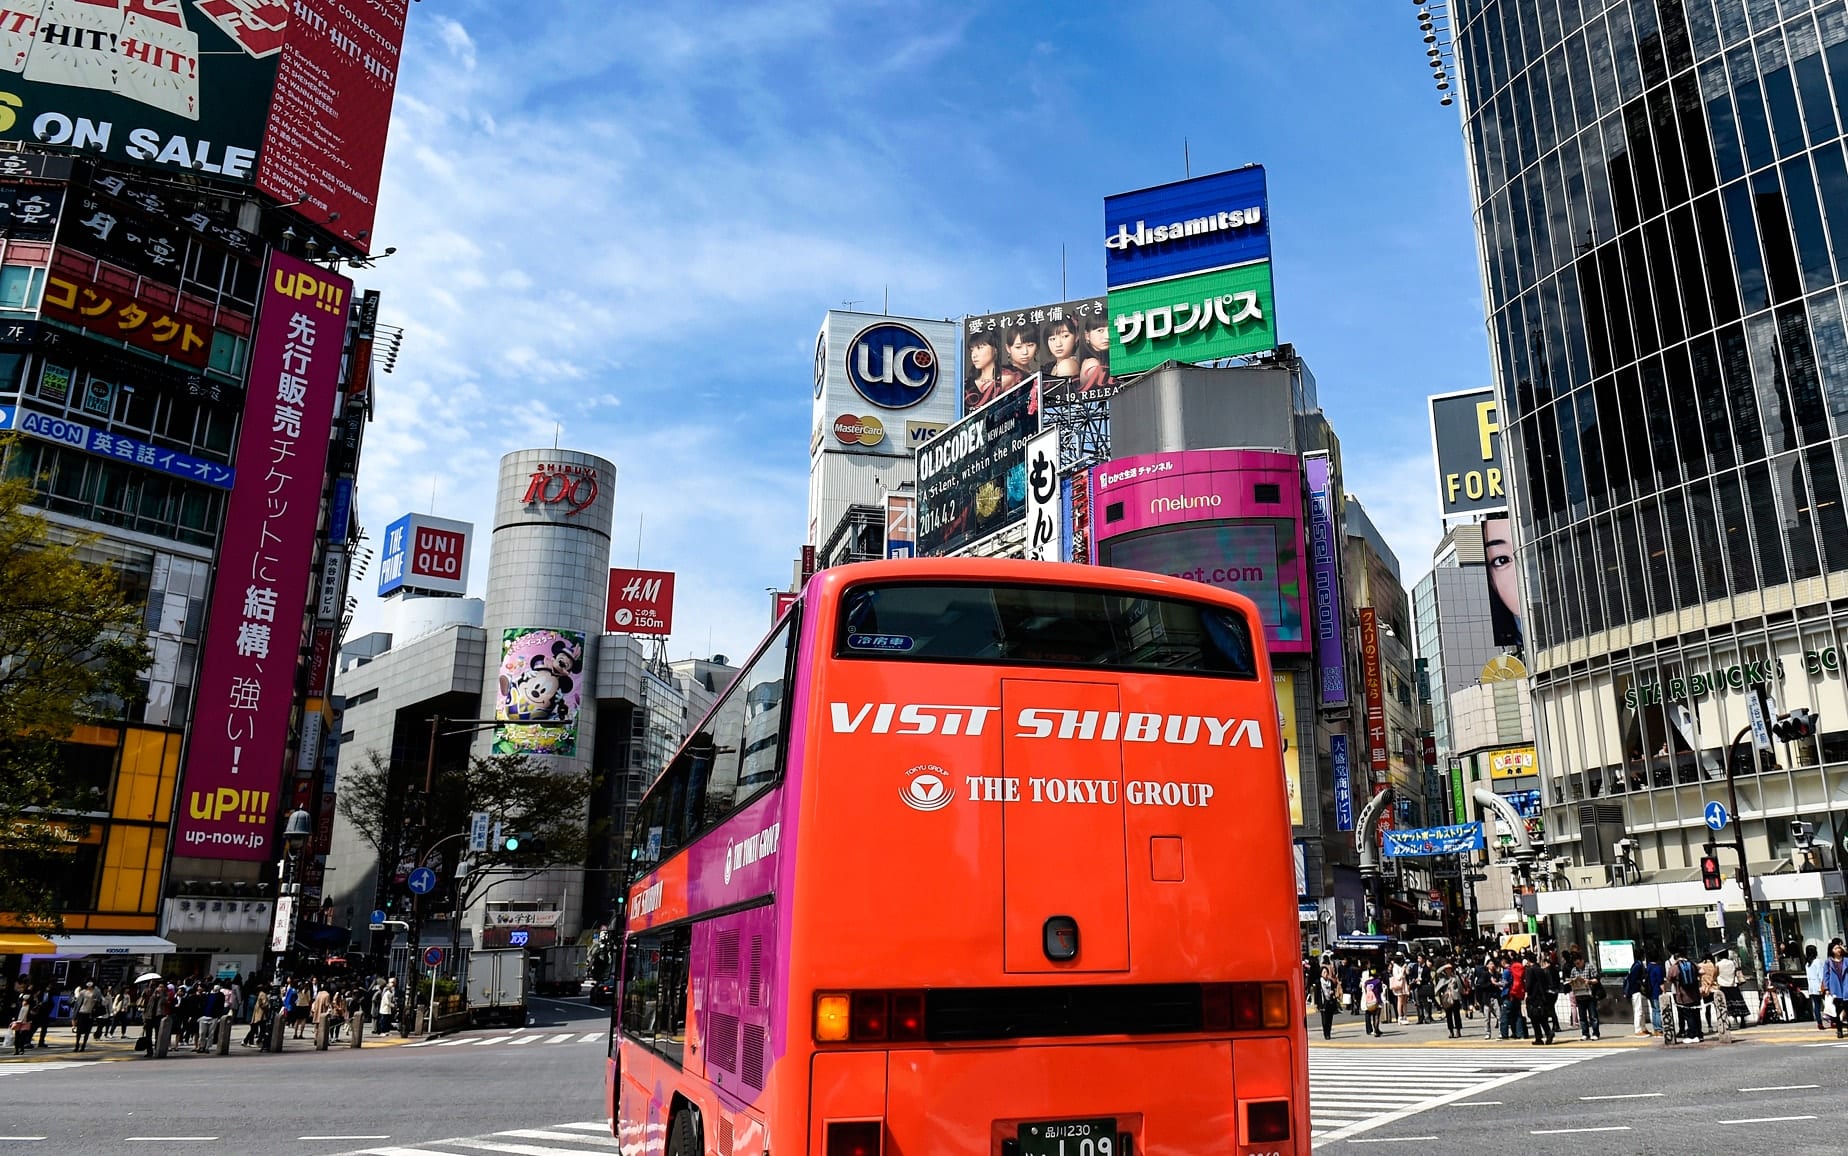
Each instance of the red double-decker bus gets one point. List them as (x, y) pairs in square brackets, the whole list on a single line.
[(974, 857)]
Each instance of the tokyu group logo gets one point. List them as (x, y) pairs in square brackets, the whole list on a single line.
[(927, 788), (891, 365)]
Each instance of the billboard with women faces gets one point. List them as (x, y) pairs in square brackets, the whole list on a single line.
[(1067, 344), (972, 478)]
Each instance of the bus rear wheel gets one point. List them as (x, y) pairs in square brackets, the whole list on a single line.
[(683, 1137)]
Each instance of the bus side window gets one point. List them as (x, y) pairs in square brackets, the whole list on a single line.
[(654, 990)]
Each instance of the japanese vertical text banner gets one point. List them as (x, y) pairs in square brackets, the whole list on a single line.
[(1377, 756), (234, 766), (1324, 562)]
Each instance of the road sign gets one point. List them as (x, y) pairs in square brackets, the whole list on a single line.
[(375, 927), (432, 956), (421, 881), (1717, 815), (478, 831), (1436, 895), (1759, 712), (378, 915)]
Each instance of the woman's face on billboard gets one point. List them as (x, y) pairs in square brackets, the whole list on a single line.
[(1022, 351)]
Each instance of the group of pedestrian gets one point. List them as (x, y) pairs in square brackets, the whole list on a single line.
[(1682, 996), (96, 1012), (1828, 984)]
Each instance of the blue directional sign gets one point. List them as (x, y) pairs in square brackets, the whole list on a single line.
[(1717, 815), (422, 881), (378, 915)]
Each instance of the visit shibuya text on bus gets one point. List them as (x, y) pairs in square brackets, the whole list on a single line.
[(976, 857)]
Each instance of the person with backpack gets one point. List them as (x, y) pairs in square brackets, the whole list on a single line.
[(1371, 997), (1449, 988), (1684, 979), (1513, 996)]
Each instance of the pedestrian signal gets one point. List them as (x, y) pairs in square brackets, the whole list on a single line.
[(1710, 873)]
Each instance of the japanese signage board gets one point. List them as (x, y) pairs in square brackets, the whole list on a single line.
[(901, 525), (120, 314), (1284, 683), (1042, 514), (1374, 682), (320, 657), (425, 553), (1325, 577), (1466, 442), (333, 585), (340, 512), (30, 212), (780, 602), (1343, 777), (212, 86), (641, 602), (1224, 313), (880, 377), (972, 478), (246, 683), (1067, 344), (1459, 801), (1436, 840), (541, 688), (1207, 222), (1513, 763), (121, 448), (1078, 549)]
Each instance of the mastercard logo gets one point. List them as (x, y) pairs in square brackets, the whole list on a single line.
[(865, 431)]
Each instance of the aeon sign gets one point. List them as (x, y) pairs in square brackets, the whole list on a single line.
[(891, 365), (573, 487)]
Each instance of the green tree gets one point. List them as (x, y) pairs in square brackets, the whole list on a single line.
[(72, 650), (520, 793)]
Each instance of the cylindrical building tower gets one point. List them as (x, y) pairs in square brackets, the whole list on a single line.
[(1661, 201), (548, 580)]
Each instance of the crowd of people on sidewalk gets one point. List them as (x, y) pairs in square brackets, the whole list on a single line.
[(198, 1009), (1673, 994)]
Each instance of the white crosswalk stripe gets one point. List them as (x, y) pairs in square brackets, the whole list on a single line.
[(512, 1041), (578, 1138), (1354, 1090)]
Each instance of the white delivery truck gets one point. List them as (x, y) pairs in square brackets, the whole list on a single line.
[(497, 982)]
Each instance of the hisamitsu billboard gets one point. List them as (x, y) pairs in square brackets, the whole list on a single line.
[(1189, 226)]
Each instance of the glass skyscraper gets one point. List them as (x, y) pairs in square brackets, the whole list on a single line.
[(1661, 201)]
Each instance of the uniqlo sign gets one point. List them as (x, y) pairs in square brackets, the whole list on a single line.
[(426, 554), (641, 602)]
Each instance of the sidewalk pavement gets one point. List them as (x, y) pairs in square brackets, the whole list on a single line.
[(61, 1040), (1349, 1032)]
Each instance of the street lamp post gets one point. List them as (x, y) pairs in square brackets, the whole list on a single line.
[(294, 834)]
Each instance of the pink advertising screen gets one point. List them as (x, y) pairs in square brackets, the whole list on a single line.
[(1227, 518), (231, 791)]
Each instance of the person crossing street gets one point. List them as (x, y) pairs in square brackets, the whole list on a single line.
[(1835, 980)]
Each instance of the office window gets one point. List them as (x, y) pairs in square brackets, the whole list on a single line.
[(21, 286)]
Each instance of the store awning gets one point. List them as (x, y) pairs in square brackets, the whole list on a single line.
[(79, 946), (1666, 890), (23, 943)]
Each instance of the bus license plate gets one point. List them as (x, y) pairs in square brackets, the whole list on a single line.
[(1069, 1138)]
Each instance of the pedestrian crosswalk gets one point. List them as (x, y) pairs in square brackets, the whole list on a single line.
[(518, 1037), (579, 1138), (1354, 1090)]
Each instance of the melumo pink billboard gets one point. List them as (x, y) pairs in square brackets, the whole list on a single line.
[(232, 789), (1228, 518)]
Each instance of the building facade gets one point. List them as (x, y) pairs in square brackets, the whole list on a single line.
[(1658, 190)]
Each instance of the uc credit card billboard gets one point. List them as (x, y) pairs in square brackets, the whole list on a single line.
[(1188, 269)]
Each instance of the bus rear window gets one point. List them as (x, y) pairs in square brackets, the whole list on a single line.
[(1042, 626)]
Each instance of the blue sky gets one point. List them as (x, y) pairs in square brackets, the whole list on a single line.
[(628, 220)]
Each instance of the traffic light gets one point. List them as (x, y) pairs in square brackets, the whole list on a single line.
[(523, 843), (1710, 873), (1798, 724)]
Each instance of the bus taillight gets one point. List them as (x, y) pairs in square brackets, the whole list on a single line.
[(865, 1017), (1254, 1006), (1266, 1121)]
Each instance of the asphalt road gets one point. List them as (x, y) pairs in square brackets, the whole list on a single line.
[(1742, 1099), (306, 1102)]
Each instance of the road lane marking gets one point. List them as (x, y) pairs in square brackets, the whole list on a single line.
[(1477, 1104), (524, 1040), (566, 1038), (1767, 1120), (587, 1126), (169, 1139), (383, 1136), (1387, 1139), (492, 1040), (1625, 1096), (516, 1149), (21, 1139), (544, 1134), (1782, 1088), (593, 1037), (1568, 1131)]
